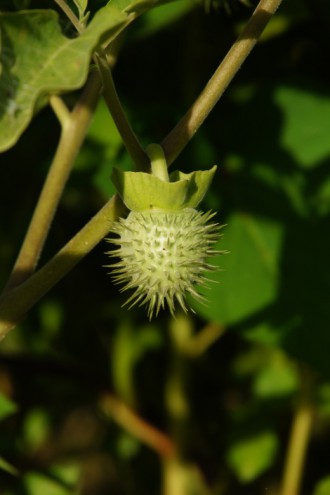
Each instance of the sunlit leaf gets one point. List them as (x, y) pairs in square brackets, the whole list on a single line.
[(38, 60), (137, 6)]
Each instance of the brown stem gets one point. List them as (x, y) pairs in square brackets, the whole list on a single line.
[(138, 427)]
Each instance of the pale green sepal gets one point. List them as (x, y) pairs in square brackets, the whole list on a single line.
[(199, 182), (141, 191)]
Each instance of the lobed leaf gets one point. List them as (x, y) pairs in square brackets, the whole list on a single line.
[(305, 131), (37, 60)]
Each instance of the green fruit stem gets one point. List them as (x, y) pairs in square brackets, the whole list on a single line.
[(158, 161)]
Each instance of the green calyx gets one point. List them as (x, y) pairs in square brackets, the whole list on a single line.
[(141, 191)]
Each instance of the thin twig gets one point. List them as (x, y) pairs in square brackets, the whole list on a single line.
[(179, 137), (204, 339), (114, 408), (111, 98)]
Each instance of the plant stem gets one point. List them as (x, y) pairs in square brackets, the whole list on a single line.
[(68, 12), (158, 162), (175, 473), (299, 437), (61, 110), (111, 98), (179, 137), (139, 428), (204, 339), (73, 133), (19, 300)]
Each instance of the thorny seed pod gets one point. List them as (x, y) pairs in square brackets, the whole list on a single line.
[(164, 244)]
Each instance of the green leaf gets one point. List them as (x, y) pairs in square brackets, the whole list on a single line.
[(36, 428), (305, 131), (298, 320), (248, 280), (251, 456), (322, 487), (7, 467), (36, 484), (137, 6), (7, 406), (277, 378), (128, 446), (38, 60)]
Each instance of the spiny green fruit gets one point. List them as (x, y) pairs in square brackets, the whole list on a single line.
[(163, 256), (164, 243)]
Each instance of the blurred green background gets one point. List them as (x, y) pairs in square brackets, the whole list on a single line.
[(270, 137)]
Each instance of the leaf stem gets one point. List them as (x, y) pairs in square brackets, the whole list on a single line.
[(186, 128), (18, 301), (112, 100), (299, 437), (73, 133), (68, 12), (61, 110)]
